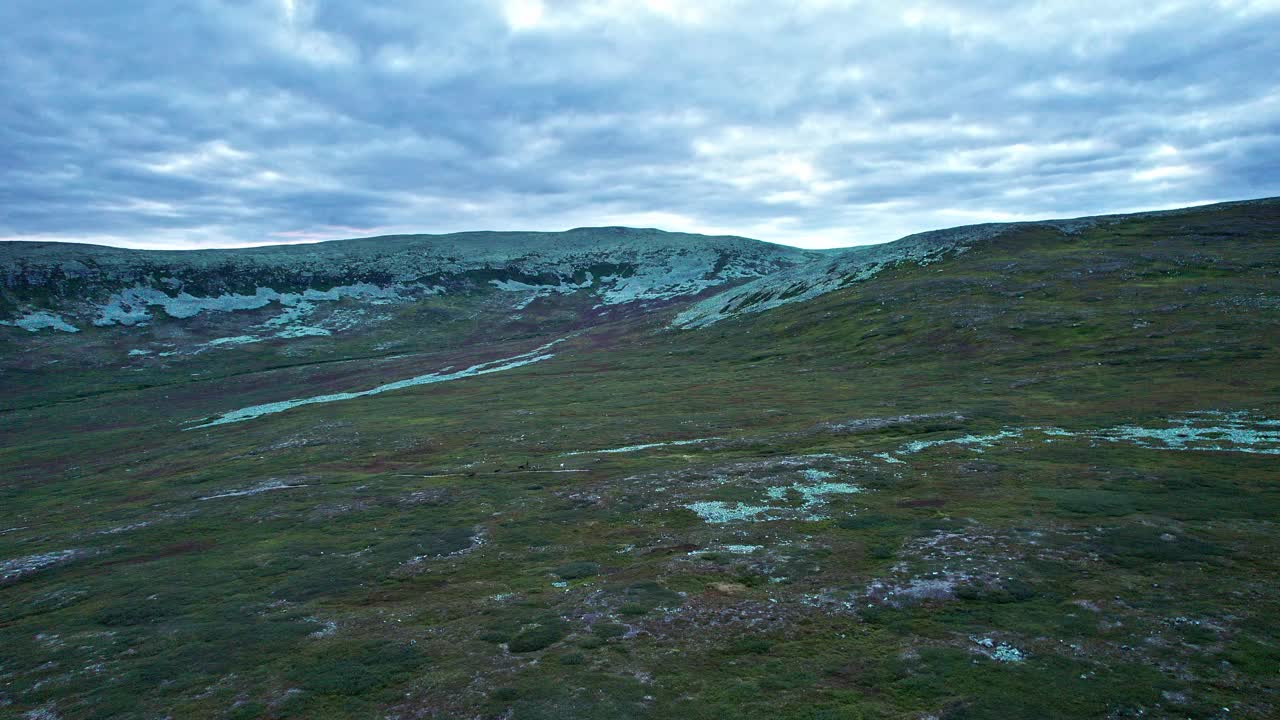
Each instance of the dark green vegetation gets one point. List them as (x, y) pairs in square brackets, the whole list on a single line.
[(459, 550)]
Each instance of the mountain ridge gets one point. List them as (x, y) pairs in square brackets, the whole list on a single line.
[(64, 285)]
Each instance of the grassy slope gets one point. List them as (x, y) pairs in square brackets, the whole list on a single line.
[(1136, 581)]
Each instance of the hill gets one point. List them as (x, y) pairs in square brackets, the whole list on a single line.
[(1033, 478), (113, 286), (79, 310)]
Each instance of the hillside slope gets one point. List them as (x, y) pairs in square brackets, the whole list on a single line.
[(1035, 479), (78, 314), (66, 287), (840, 269)]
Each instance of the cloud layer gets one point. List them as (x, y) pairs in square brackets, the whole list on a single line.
[(819, 123)]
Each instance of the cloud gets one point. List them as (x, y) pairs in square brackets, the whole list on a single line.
[(827, 123)]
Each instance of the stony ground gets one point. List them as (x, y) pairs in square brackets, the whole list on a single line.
[(1036, 480)]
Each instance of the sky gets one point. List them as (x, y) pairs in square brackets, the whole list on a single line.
[(817, 123)]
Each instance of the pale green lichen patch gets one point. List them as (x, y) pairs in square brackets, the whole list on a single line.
[(536, 355), (234, 340), (977, 443), (1002, 652), (132, 306), (41, 320), (1207, 430), (1233, 431), (816, 495), (302, 331), (17, 567), (812, 494), (716, 512), (1007, 654), (645, 446)]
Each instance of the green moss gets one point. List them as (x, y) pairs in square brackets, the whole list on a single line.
[(429, 522), (577, 570)]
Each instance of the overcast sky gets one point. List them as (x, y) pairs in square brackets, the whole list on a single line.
[(820, 123)]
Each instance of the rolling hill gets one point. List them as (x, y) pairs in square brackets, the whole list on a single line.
[(1003, 471)]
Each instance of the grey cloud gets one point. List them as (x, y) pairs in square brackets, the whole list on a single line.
[(820, 123)]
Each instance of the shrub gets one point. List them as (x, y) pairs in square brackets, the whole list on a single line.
[(609, 630), (137, 612), (750, 646), (649, 594), (1105, 503), (863, 522), (880, 551), (1149, 543), (576, 570), (356, 668), (1008, 591), (539, 636)]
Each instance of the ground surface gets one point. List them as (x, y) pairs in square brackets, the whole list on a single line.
[(1034, 480)]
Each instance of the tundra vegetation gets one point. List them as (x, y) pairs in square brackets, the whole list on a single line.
[(1032, 478)]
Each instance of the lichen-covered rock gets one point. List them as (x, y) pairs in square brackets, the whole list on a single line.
[(113, 286)]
